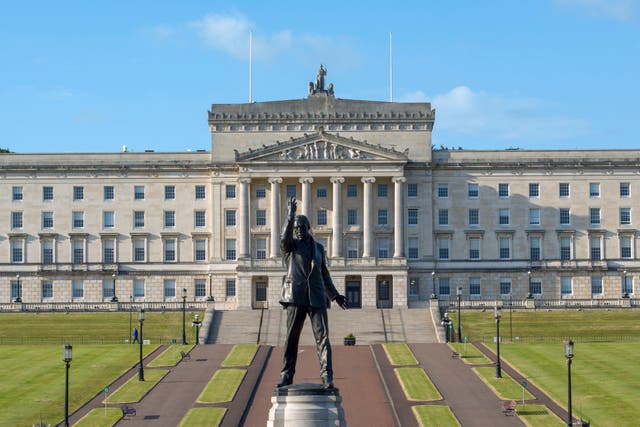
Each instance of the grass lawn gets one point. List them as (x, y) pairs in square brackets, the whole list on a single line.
[(470, 354), (203, 417), (98, 418), (222, 386), (133, 390), (605, 378), (538, 416), (435, 415), (416, 384), (32, 378), (399, 354), (240, 355), (505, 388), (88, 328), (171, 356)]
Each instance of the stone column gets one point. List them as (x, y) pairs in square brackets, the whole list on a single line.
[(243, 219), (336, 240), (398, 217), (275, 216), (306, 196), (367, 232)]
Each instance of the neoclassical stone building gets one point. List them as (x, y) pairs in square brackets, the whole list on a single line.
[(400, 221)]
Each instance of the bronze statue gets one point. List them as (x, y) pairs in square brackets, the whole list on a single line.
[(306, 290), (320, 78)]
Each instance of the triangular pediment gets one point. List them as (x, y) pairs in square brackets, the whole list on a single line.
[(321, 146)]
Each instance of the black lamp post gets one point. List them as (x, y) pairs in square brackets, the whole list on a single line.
[(433, 284), (210, 287), (66, 358), (497, 315), (130, 316), (568, 354), (196, 323), (625, 290), (510, 314), (114, 298), (140, 368), (184, 305), (459, 294), (19, 296)]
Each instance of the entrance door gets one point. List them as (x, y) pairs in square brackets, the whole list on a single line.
[(384, 293), (261, 295), (354, 293)]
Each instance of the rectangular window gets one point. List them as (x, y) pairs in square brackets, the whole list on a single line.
[(230, 287), (200, 192), (594, 216), (383, 248), (16, 290), (352, 190), (443, 216), (594, 249), (474, 248), (169, 219), (443, 191), (412, 190), (412, 216), (261, 192), (169, 192), (596, 285), (565, 248), (230, 217), (78, 193), (625, 247), (16, 219), (352, 248), (291, 191), (47, 219), (474, 217), (383, 216), (16, 194), (169, 250), (108, 251), (169, 288), (443, 286), (47, 193), (383, 190), (505, 286), (625, 216), (230, 249), (47, 289), (200, 219), (77, 289), (200, 288), (352, 217), (138, 219), (321, 218), (108, 192), (78, 219), (503, 216), (230, 191), (594, 189), (138, 250), (47, 251), (474, 286), (78, 251), (503, 190), (108, 219), (534, 216), (505, 247), (566, 285), (201, 249), (563, 189), (17, 251), (443, 248), (625, 189), (627, 285), (413, 251), (261, 217), (565, 216), (138, 192), (138, 288), (261, 248), (534, 248), (473, 190), (535, 286), (108, 289), (534, 189), (321, 192)]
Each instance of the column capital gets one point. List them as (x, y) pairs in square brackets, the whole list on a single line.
[(368, 179), (275, 180), (305, 180), (337, 179), (244, 180), (399, 179)]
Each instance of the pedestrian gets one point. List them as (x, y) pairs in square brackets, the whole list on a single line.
[(135, 335)]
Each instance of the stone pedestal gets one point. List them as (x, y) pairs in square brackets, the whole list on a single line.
[(306, 405)]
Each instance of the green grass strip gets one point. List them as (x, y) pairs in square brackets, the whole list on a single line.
[(399, 354), (171, 356), (416, 384), (203, 417), (435, 415), (505, 388), (222, 386), (538, 416), (99, 418), (240, 355), (134, 390), (470, 354)]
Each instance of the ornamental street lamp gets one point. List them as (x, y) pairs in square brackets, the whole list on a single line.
[(433, 284), (196, 323), (446, 322), (130, 315), (497, 315), (66, 358), (510, 316), (210, 287), (141, 368), (114, 298), (568, 354), (184, 305), (459, 294), (19, 290)]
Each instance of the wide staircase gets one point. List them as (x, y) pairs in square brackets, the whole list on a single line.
[(369, 325)]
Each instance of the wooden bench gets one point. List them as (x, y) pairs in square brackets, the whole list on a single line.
[(185, 355), (128, 410), (509, 408), (454, 354)]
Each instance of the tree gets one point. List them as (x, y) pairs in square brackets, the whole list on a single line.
[(4, 150)]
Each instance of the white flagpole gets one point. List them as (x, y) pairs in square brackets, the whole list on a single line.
[(250, 67), (390, 67)]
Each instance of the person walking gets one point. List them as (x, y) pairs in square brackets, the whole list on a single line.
[(135, 335)]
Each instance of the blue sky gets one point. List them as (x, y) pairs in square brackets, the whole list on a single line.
[(84, 76)]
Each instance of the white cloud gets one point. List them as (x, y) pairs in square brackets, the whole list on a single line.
[(621, 10)]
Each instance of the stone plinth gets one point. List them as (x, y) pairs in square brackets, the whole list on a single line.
[(306, 405)]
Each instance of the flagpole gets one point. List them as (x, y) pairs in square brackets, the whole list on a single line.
[(390, 67), (250, 67)]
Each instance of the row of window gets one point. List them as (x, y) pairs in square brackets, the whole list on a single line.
[(564, 190), (108, 192), (321, 190)]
